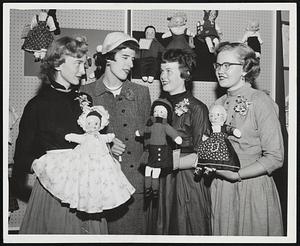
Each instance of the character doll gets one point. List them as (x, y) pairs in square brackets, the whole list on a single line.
[(252, 37), (87, 177), (150, 57), (208, 30), (178, 31), (40, 37), (159, 154), (216, 152), (100, 64)]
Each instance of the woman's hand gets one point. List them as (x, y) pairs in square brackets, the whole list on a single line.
[(118, 147), (228, 175)]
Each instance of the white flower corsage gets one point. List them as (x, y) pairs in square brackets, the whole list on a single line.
[(181, 107), (242, 105), (83, 101)]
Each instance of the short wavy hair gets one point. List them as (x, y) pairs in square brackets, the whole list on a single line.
[(185, 59), (56, 53), (246, 55)]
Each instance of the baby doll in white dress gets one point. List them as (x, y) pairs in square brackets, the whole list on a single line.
[(87, 177)]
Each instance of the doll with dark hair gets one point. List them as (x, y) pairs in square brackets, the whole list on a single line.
[(158, 152), (208, 29), (87, 177), (151, 55)]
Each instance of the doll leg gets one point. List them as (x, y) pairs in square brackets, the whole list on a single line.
[(148, 181), (210, 45), (155, 181), (216, 41)]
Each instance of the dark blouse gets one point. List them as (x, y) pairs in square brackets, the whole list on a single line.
[(46, 119)]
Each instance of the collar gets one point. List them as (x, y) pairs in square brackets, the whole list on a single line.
[(101, 89), (174, 99), (240, 91)]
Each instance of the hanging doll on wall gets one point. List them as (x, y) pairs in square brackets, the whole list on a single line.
[(40, 36), (252, 37), (216, 152), (178, 31), (208, 30), (151, 51), (100, 64), (158, 154), (87, 177)]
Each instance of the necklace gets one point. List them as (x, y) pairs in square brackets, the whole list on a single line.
[(115, 89)]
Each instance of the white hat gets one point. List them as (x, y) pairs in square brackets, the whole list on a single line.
[(114, 39)]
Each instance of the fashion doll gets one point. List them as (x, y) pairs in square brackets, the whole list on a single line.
[(178, 31), (252, 37), (216, 152), (87, 177), (150, 56), (159, 154), (40, 36), (208, 29)]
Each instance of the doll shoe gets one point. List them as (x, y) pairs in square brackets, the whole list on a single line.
[(148, 192)]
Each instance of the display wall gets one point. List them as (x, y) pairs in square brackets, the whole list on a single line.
[(232, 22)]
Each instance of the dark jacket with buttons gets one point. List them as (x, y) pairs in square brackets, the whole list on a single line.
[(128, 112)]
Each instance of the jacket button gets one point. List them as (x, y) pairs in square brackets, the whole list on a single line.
[(159, 149), (120, 99), (126, 139), (128, 152), (131, 166), (158, 159), (123, 110), (125, 124)]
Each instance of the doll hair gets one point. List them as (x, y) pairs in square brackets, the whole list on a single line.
[(166, 104), (55, 56), (149, 27), (186, 61), (207, 13), (251, 64), (95, 113), (127, 44)]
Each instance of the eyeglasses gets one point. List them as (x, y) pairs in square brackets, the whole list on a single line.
[(225, 65)]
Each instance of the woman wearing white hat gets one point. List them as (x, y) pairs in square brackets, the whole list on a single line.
[(128, 105)]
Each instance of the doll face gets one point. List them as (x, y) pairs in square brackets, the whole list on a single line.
[(212, 15), (217, 115), (121, 66), (254, 26), (93, 123), (150, 33), (160, 111)]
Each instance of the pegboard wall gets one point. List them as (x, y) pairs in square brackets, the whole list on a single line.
[(232, 23)]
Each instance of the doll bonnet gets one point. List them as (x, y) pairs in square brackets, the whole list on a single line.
[(98, 111)]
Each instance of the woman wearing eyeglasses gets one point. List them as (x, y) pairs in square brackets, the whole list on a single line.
[(247, 202)]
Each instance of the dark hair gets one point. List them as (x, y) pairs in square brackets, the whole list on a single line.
[(127, 44), (55, 56), (160, 102), (207, 13), (251, 64), (95, 113), (149, 27), (185, 59)]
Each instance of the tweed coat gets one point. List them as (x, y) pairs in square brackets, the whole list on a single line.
[(128, 112)]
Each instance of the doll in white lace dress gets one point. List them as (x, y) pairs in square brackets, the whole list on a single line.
[(87, 177)]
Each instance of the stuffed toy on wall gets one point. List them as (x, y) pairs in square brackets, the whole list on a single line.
[(208, 30), (252, 37), (179, 31), (216, 152), (87, 177), (158, 152), (150, 54), (40, 37)]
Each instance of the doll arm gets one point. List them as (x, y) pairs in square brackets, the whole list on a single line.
[(51, 24), (76, 138), (170, 131), (245, 37), (190, 33), (166, 34), (33, 22), (108, 137), (232, 131)]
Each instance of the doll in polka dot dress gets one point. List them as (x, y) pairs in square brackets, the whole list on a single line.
[(40, 36), (216, 152)]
